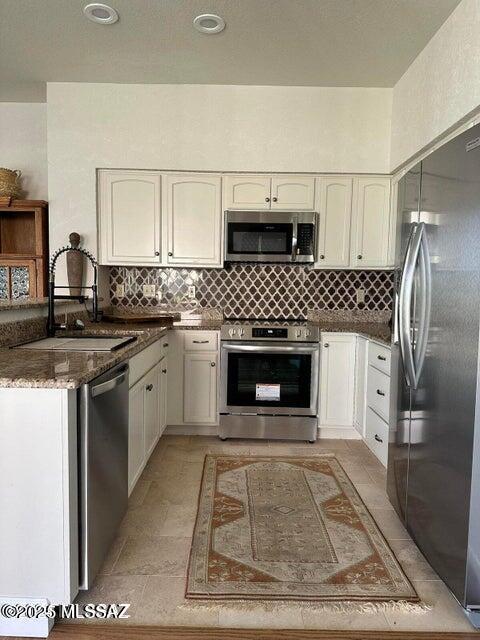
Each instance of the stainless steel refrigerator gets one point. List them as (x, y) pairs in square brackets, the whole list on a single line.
[(434, 444)]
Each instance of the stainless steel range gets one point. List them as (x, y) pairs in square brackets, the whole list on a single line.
[(269, 380)]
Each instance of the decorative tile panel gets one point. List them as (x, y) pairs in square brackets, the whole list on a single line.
[(256, 291)]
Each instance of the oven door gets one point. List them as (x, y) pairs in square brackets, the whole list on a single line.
[(269, 379)]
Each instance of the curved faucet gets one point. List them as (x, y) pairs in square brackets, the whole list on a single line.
[(51, 324)]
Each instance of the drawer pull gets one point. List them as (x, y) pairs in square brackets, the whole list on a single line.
[(200, 341), (164, 371), (326, 345), (149, 387), (383, 358), (212, 364), (380, 392), (165, 345), (378, 439)]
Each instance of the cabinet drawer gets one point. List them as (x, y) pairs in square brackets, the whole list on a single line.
[(145, 360), (379, 357), (376, 436), (378, 391), (200, 341)]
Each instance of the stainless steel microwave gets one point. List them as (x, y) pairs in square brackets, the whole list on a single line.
[(264, 236)]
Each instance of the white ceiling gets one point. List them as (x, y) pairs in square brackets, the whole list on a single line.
[(351, 43)]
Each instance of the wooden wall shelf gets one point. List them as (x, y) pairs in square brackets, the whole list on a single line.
[(24, 243)]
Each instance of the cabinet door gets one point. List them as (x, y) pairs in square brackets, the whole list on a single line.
[(129, 217), (246, 192), (293, 193), (200, 388), (152, 386), (194, 220), (163, 394), (337, 375), (334, 206), (136, 441), (371, 222)]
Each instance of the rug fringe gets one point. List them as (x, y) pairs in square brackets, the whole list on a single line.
[(342, 606)]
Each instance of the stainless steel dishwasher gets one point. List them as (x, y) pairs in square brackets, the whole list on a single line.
[(103, 467)]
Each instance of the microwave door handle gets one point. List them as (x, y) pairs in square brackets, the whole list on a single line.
[(294, 238)]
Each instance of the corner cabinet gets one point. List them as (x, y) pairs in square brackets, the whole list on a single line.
[(129, 217), (371, 226), (193, 217)]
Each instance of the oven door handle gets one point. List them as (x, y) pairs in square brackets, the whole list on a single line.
[(268, 348)]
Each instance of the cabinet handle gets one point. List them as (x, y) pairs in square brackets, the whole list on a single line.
[(382, 358), (149, 387), (267, 199), (275, 199), (378, 439), (326, 345), (165, 345), (200, 341), (359, 257), (170, 253), (322, 257), (157, 253), (380, 393), (164, 371), (212, 364)]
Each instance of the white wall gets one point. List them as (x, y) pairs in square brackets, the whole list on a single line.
[(23, 144), (198, 127), (440, 88)]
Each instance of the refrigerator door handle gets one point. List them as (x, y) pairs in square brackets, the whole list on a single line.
[(405, 306), (425, 304)]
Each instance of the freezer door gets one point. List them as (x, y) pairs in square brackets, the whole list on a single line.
[(398, 448), (443, 404)]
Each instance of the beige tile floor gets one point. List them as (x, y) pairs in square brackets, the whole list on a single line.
[(147, 563)]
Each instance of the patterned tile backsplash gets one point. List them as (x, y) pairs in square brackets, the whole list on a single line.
[(255, 291)]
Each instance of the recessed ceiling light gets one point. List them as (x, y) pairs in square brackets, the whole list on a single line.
[(100, 13), (209, 23)]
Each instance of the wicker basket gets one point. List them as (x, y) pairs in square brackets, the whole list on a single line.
[(10, 183)]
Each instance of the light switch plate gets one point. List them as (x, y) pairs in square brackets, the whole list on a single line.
[(360, 296), (191, 291), (149, 290), (120, 290)]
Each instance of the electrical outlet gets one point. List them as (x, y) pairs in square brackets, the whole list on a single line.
[(149, 290), (360, 296), (191, 292), (120, 290)]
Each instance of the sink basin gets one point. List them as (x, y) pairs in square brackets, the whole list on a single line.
[(80, 343)]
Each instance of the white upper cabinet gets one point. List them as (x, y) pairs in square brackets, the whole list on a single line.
[(371, 222), (293, 193), (129, 217), (290, 193), (193, 211), (334, 206), (246, 192)]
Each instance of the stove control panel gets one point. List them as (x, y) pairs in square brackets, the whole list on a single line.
[(280, 332)]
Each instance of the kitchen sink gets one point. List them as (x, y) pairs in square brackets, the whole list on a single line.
[(80, 343)]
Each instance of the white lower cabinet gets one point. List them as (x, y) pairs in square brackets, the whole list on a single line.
[(147, 408), (337, 384), (200, 390), (193, 378), (378, 401)]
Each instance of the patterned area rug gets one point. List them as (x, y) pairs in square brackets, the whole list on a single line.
[(288, 528)]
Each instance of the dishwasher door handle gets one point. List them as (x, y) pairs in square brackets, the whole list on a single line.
[(108, 385)]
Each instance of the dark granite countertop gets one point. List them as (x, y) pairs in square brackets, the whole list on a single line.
[(372, 330)]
